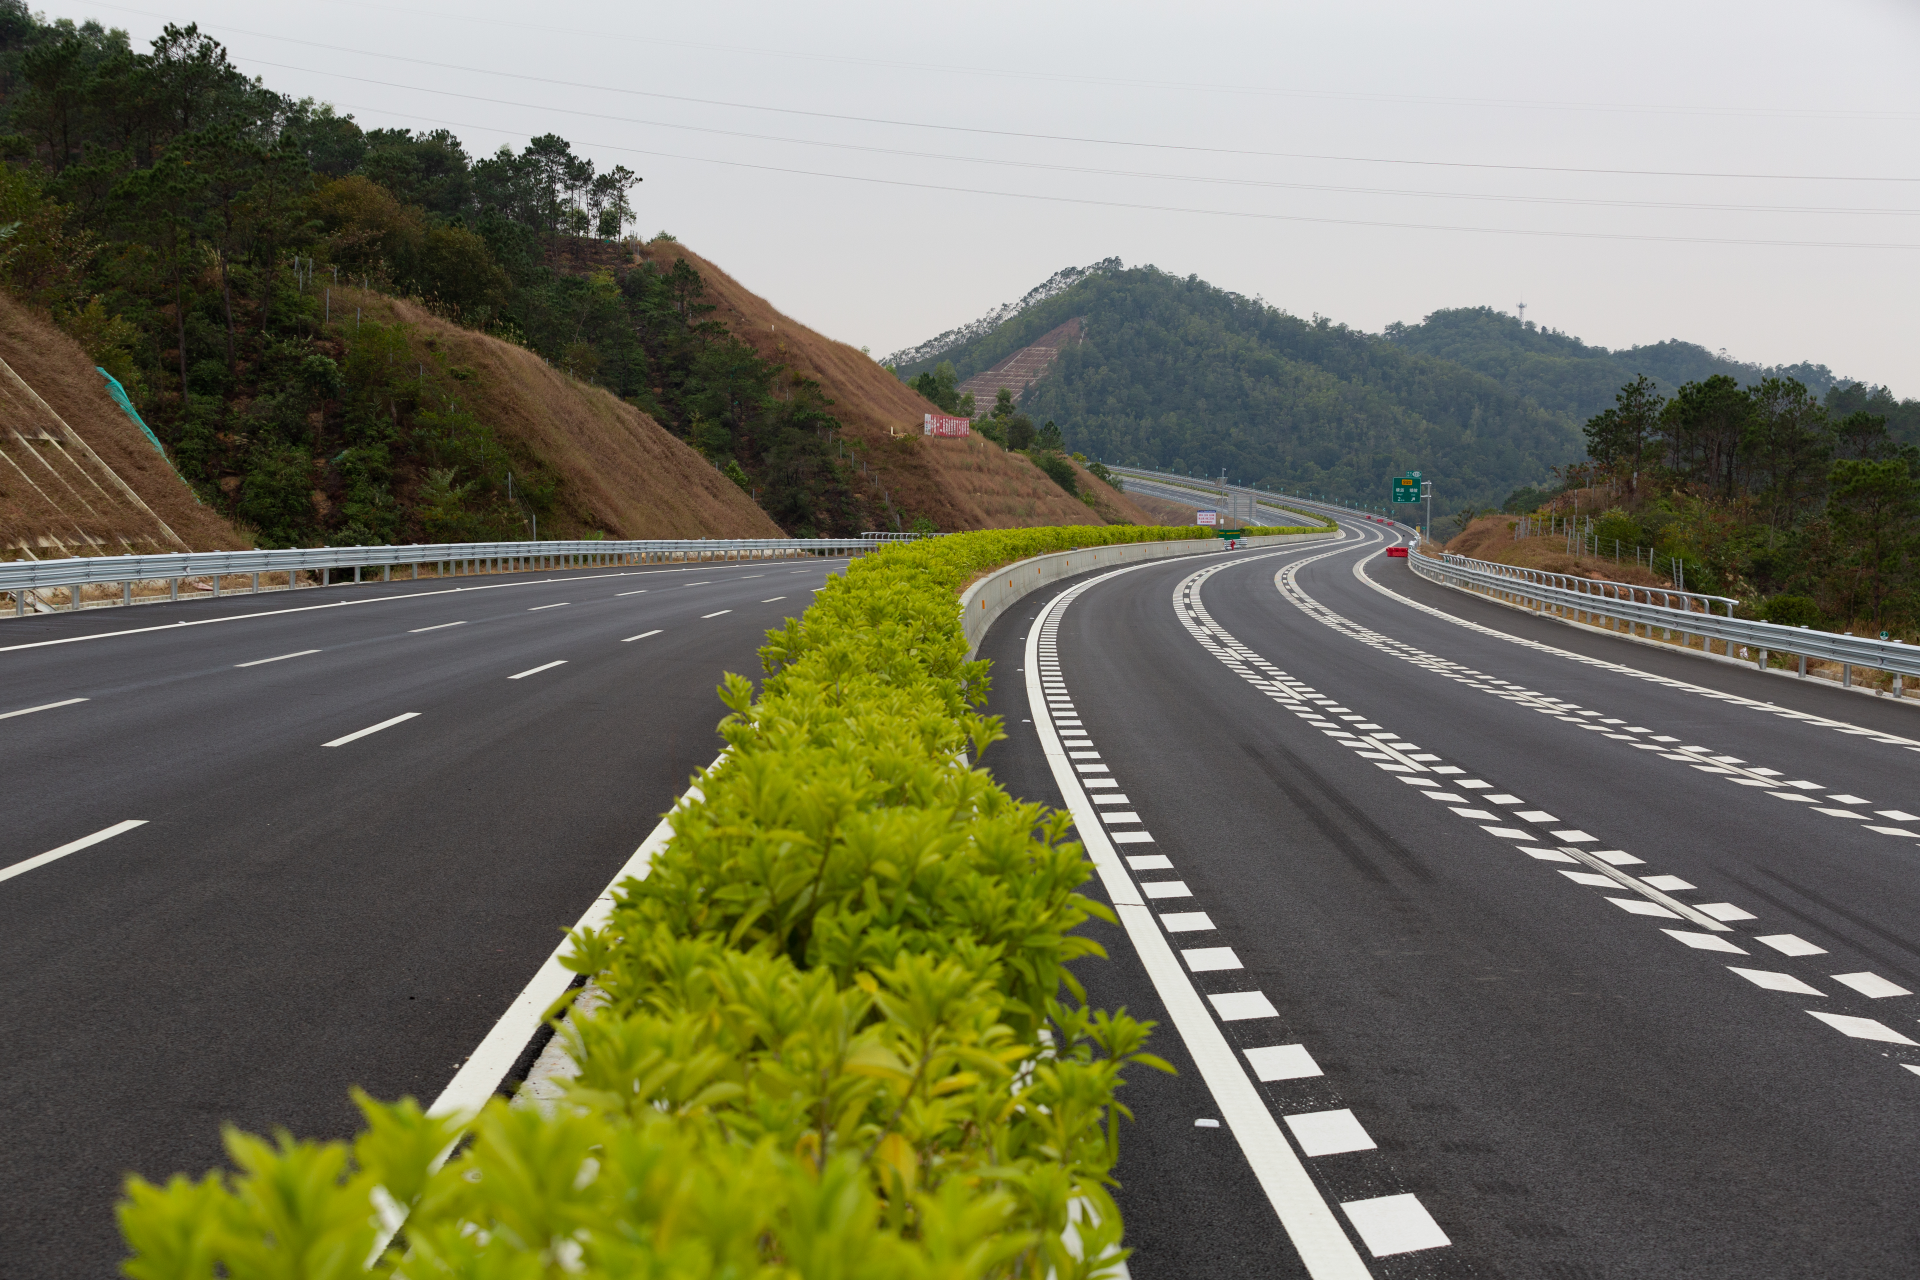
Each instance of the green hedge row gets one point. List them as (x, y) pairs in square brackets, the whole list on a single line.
[(840, 1040)]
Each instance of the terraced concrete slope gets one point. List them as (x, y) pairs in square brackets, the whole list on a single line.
[(78, 476), (957, 484)]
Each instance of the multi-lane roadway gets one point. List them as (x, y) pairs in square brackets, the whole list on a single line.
[(1485, 947), (364, 816)]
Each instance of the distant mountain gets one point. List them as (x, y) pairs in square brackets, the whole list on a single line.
[(1179, 374), (1174, 372), (930, 352), (1560, 372)]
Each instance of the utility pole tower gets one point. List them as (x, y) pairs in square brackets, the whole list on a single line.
[(1523, 313)]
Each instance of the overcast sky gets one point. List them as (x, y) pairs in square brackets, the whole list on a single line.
[(1434, 155)]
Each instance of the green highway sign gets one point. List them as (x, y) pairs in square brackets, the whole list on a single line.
[(1406, 488)]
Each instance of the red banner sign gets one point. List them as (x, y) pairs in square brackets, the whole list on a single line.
[(935, 425)]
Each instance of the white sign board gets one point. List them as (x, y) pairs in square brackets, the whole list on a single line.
[(1207, 517)]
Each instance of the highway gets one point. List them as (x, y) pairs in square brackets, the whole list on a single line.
[(366, 815), (1484, 946)]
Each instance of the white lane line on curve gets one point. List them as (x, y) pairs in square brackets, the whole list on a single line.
[(42, 859), (437, 627), (261, 662), (642, 636), (716, 613), (537, 608), (45, 706), (372, 728), (534, 671)]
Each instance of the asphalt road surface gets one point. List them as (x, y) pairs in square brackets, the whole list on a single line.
[(293, 917), (1484, 947)]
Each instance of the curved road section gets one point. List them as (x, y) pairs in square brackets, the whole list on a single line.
[(1484, 946), (257, 851)]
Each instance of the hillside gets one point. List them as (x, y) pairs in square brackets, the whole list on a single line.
[(899, 474), (1178, 374), (593, 462), (111, 492), (1561, 373)]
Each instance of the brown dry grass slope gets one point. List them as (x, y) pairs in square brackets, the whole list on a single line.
[(957, 484), (620, 472), (77, 477), (1491, 538)]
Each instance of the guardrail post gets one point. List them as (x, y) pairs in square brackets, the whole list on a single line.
[(386, 573), (1763, 660), (1803, 666), (216, 584), (1846, 675), (256, 585), (126, 593), (173, 588)]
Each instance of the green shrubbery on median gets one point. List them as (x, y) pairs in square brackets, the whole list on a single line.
[(840, 1039)]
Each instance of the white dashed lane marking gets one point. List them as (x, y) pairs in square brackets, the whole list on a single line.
[(1654, 894)]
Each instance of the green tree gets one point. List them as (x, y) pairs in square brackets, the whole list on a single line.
[(1874, 509), (1786, 448)]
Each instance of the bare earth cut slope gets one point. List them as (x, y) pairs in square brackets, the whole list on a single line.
[(1024, 367), (77, 476), (620, 472), (957, 484)]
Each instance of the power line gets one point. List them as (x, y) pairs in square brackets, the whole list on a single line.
[(1056, 77), (1215, 213), (1038, 137), (1089, 170)]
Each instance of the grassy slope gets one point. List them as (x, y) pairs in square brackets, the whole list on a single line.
[(49, 506), (958, 484), (620, 472)]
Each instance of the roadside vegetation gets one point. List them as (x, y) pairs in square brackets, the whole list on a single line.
[(1806, 509), (201, 236), (841, 1036)]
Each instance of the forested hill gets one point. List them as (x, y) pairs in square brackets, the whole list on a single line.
[(1560, 372), (1179, 374)]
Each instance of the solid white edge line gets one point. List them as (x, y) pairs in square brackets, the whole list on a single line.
[(1305, 1215), (372, 728), (45, 706), (42, 859), (261, 662), (642, 636), (534, 671), (479, 1077)]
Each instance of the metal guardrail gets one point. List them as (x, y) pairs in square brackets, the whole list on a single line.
[(23, 578), (1189, 486), (1594, 599)]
